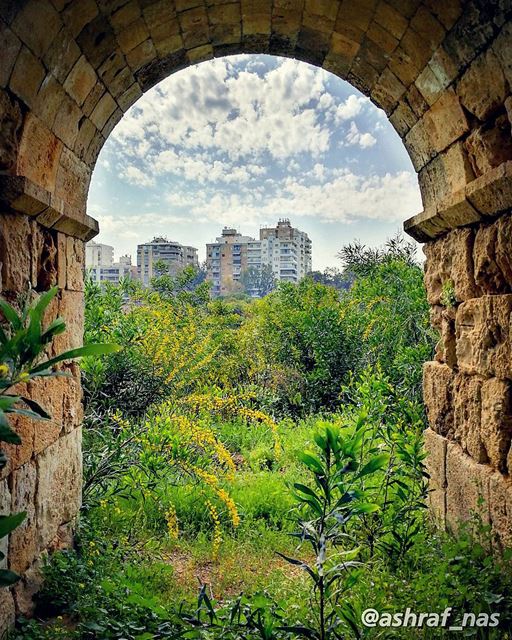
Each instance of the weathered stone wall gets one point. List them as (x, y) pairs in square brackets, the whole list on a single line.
[(442, 72), (44, 474), (468, 388)]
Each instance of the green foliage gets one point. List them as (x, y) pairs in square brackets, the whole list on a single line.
[(326, 511), (258, 281), (448, 297), (23, 341)]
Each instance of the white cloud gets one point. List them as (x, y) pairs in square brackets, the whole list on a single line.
[(136, 176), (355, 137), (341, 196), (245, 114), (350, 108)]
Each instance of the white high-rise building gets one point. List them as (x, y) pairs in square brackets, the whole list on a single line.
[(175, 255), (286, 249), (97, 254), (100, 265)]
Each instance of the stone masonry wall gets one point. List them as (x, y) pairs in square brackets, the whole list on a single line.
[(442, 72), (468, 388), (44, 474)]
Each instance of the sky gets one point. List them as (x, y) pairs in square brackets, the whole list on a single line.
[(243, 141)]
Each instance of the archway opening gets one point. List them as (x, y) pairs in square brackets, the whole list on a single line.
[(64, 88)]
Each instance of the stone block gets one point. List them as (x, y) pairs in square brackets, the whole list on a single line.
[(392, 20), (491, 193), (39, 153), (26, 589), (67, 121), (142, 55), (490, 145), (419, 144), (72, 181), (483, 98), (130, 96), (501, 47), (48, 100), (27, 76), (450, 260), (195, 27), (62, 55), (80, 80), (58, 496), (126, 15), (77, 15), (500, 508), (426, 25), (43, 250), (388, 91), (496, 424), (71, 310), (435, 462), (103, 110), (50, 393), (72, 409), (467, 392), (403, 118), (467, 491), (15, 265), (37, 25), (10, 47), (93, 98), (446, 121), (23, 544), (492, 258), (133, 35), (438, 397), (8, 610), (483, 336), (86, 132), (75, 260), (11, 120)]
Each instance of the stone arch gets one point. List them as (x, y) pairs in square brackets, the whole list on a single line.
[(442, 72)]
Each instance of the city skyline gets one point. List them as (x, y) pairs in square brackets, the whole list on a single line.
[(251, 139)]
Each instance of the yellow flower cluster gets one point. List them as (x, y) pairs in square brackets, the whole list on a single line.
[(172, 522), (217, 530), (212, 481), (231, 405)]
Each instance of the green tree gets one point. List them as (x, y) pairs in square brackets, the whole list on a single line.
[(258, 281)]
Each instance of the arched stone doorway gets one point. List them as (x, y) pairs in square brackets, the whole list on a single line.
[(442, 71)]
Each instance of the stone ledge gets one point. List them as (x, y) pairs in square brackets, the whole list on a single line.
[(21, 195), (484, 198)]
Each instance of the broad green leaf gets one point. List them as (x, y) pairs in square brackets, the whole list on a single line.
[(366, 507), (8, 578), (379, 462), (10, 314), (9, 523), (36, 408), (311, 462), (6, 433), (80, 352)]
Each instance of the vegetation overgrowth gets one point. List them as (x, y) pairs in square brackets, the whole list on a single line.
[(254, 468)]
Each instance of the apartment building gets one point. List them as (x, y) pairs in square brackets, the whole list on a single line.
[(283, 247), (97, 254), (175, 255), (100, 265)]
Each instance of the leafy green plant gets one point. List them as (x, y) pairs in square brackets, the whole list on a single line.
[(326, 510), (448, 297), (23, 340)]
